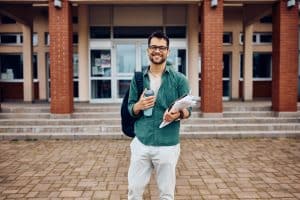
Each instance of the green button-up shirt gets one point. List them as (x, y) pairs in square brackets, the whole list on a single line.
[(173, 86)]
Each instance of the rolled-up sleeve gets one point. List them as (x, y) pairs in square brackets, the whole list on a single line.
[(133, 98), (184, 89)]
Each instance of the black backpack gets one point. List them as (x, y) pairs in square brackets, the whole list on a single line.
[(127, 120)]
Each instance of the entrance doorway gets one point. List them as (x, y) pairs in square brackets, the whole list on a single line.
[(113, 63)]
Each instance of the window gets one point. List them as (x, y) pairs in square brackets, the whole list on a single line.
[(262, 65), (227, 38), (254, 38), (75, 65), (241, 38), (11, 66), (259, 38), (34, 39), (226, 65), (262, 38), (35, 71), (101, 89), (10, 38), (241, 65), (134, 32), (177, 59), (16, 39), (100, 63), (75, 38), (7, 20), (47, 39), (226, 74), (265, 38), (75, 76), (99, 32)]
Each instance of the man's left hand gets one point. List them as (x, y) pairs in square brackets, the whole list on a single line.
[(170, 116)]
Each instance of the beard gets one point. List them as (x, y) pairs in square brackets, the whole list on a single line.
[(157, 61)]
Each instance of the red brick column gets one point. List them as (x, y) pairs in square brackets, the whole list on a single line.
[(61, 62), (285, 57), (212, 57)]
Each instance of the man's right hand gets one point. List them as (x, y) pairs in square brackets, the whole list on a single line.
[(143, 103)]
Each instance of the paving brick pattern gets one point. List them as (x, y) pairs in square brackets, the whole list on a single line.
[(97, 169)]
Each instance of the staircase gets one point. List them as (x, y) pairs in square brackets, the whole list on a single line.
[(240, 119)]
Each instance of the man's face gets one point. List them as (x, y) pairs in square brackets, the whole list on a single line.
[(158, 51)]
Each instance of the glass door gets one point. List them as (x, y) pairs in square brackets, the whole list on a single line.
[(226, 75), (177, 57), (100, 73), (131, 56), (126, 64)]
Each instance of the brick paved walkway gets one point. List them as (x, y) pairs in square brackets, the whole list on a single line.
[(97, 169)]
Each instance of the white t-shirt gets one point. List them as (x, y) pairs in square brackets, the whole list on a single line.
[(155, 82)]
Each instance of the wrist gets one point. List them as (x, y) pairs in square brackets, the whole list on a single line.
[(136, 109)]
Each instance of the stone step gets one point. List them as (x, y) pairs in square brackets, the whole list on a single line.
[(45, 109), (117, 128), (242, 134), (31, 121), (32, 116), (59, 122), (98, 109), (119, 135), (240, 127), (232, 114), (101, 115), (117, 121), (243, 120), (7, 107), (35, 116), (115, 107), (57, 135)]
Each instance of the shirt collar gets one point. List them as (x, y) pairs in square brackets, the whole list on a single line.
[(167, 69)]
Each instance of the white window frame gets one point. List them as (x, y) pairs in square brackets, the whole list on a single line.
[(101, 44), (230, 35), (257, 38), (17, 35)]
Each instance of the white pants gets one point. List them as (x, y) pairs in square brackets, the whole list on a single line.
[(144, 159)]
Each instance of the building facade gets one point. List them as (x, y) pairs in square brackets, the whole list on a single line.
[(87, 50)]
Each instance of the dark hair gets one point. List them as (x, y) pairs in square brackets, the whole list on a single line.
[(160, 35)]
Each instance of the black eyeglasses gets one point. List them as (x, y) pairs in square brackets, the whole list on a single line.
[(160, 48)]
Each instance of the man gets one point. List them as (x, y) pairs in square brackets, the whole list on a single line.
[(153, 147)]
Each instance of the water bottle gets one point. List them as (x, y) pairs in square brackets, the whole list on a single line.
[(148, 93)]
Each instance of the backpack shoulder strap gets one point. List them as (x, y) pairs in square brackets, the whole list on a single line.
[(139, 82)]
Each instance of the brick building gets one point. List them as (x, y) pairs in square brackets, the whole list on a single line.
[(63, 51)]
